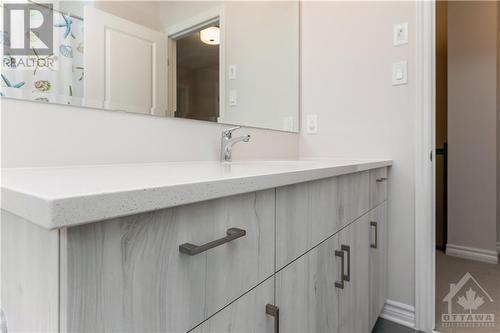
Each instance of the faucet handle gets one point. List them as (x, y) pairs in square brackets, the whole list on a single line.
[(229, 131)]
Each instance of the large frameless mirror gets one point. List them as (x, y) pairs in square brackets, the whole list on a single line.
[(226, 62)]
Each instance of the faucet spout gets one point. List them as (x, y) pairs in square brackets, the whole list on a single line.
[(227, 143), (244, 138)]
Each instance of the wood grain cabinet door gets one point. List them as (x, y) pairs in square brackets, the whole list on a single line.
[(128, 275), (378, 261), (306, 291), (354, 307), (308, 213), (247, 314)]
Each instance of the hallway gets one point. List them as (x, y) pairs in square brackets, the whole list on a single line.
[(451, 270)]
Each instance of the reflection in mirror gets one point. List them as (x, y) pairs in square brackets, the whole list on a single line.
[(197, 74), (227, 62)]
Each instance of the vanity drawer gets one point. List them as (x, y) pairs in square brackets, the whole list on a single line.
[(308, 213), (378, 186), (129, 275)]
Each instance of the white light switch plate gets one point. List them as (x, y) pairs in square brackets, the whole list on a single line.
[(232, 72), (233, 98), (312, 124), (399, 73), (401, 34)]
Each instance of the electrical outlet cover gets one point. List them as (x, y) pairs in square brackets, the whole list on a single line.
[(312, 124)]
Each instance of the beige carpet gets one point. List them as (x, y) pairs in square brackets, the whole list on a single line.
[(471, 300)]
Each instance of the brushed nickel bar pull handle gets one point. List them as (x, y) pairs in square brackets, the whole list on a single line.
[(381, 179), (340, 284), (347, 249), (274, 311), (191, 249), (374, 224)]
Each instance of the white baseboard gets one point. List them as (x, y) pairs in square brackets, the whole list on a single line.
[(472, 253), (400, 313)]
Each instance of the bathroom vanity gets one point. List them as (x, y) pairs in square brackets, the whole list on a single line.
[(297, 246)]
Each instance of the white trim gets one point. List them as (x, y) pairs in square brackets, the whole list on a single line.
[(222, 63), (424, 167), (472, 253), (194, 23), (399, 313), (172, 77)]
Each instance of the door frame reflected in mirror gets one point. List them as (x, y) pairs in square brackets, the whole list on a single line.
[(203, 20)]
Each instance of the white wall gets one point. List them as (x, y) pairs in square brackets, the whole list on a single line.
[(472, 124), (175, 12), (346, 80), (262, 40), (145, 13), (38, 134)]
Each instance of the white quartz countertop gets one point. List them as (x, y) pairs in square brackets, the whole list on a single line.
[(58, 197)]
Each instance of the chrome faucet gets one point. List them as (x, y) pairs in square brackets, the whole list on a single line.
[(227, 143)]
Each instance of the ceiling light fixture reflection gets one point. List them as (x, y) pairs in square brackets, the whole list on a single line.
[(210, 36)]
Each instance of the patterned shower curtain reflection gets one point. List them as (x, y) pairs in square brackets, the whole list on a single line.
[(60, 83)]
